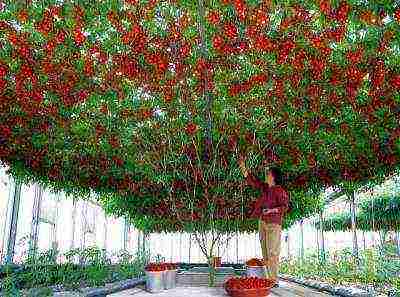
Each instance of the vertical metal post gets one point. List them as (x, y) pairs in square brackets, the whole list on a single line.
[(354, 225), (288, 244), (172, 248), (54, 242), (37, 202), (105, 227), (146, 246), (190, 246), (139, 241), (364, 241), (237, 248), (180, 248), (72, 243), (125, 235), (227, 249), (398, 242), (301, 241), (322, 223), (256, 242), (83, 225), (318, 243), (14, 204)]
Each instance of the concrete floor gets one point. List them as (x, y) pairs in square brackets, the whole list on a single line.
[(285, 290)]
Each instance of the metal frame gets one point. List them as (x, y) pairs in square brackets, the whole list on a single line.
[(302, 240), (322, 222), (11, 229), (73, 218), (105, 227), (37, 204), (125, 236), (354, 224)]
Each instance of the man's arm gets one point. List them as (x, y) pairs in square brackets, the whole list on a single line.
[(251, 179)]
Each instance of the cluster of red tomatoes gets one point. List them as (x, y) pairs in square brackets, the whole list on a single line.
[(246, 86), (161, 266), (255, 262), (248, 283), (397, 15)]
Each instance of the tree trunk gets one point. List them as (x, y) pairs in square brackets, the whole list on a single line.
[(208, 252), (211, 272)]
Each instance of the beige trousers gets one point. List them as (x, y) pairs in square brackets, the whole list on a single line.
[(270, 238)]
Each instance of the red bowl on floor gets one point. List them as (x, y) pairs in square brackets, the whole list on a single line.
[(248, 292)]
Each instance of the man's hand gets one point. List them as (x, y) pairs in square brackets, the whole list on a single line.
[(270, 211), (242, 166)]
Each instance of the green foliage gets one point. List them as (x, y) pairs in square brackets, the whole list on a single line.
[(9, 282), (90, 267), (375, 213), (117, 98), (375, 269)]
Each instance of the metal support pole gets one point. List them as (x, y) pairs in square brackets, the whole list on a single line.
[(354, 225), (318, 243), (12, 229), (105, 227), (227, 249), (172, 248), (37, 202), (54, 242), (139, 241), (398, 242), (146, 246), (364, 241), (256, 242), (180, 247), (288, 244), (190, 246), (73, 218), (301, 241), (237, 248), (322, 223), (125, 237), (83, 225)]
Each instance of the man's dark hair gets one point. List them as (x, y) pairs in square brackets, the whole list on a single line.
[(277, 174)]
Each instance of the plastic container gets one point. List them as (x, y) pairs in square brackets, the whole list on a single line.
[(155, 281), (257, 271), (169, 279)]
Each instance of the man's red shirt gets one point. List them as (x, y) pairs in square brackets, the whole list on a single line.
[(271, 197)]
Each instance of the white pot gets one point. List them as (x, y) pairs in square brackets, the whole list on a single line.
[(170, 279), (154, 281)]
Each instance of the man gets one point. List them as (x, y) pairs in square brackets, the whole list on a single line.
[(270, 208)]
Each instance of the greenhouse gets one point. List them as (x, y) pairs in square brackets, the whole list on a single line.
[(200, 148)]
